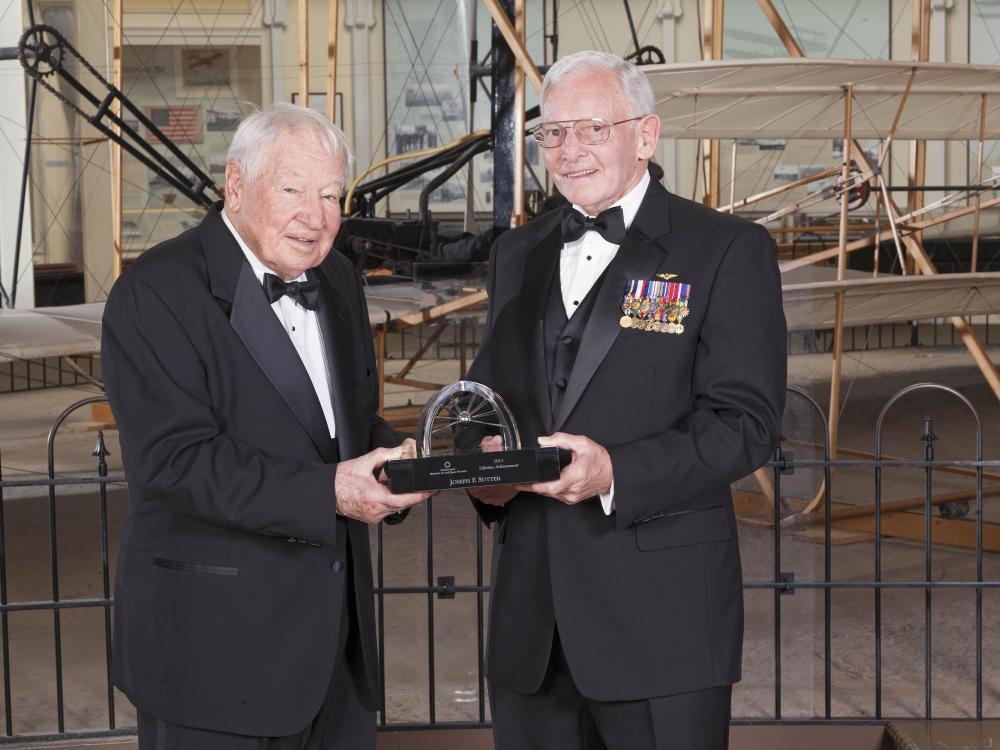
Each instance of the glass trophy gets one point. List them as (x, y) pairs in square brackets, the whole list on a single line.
[(466, 411)]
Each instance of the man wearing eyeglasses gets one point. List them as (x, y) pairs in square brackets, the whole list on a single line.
[(643, 333)]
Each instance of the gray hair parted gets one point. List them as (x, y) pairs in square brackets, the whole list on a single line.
[(262, 127), (633, 81)]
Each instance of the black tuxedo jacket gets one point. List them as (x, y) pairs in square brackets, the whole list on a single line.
[(233, 566), (648, 602)]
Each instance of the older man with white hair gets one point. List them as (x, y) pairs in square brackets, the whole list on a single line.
[(238, 361), (643, 333)]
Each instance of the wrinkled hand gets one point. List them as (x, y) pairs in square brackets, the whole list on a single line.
[(589, 474), (361, 496), (497, 495)]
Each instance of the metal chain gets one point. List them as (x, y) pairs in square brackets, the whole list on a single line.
[(64, 46)]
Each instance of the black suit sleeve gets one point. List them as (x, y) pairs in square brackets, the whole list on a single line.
[(176, 450), (738, 393)]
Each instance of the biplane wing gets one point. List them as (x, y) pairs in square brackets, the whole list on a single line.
[(804, 98), (809, 305), (890, 299), (73, 330)]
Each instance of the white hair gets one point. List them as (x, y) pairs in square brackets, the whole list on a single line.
[(265, 125), (635, 84)]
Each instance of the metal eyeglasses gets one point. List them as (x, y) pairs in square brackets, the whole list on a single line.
[(591, 131)]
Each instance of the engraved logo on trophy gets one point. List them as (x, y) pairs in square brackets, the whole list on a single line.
[(470, 409)]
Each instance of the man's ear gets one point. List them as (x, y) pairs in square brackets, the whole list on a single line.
[(649, 136), (234, 186)]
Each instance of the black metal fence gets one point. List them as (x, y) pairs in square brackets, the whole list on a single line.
[(47, 372), (46, 599)]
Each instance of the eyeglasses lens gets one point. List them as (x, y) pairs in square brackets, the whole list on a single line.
[(591, 132)]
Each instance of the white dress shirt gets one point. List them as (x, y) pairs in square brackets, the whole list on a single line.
[(582, 262), (302, 327)]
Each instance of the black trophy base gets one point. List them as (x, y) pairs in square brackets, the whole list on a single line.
[(462, 470)]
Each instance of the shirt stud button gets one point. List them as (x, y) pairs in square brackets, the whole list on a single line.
[(337, 566)]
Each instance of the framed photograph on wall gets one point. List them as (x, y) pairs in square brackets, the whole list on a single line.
[(204, 71)]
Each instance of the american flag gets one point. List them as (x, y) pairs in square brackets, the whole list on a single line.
[(179, 124)]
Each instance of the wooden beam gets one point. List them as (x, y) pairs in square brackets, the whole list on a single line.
[(732, 177), (770, 193), (304, 53), (838, 329), (920, 48), (439, 311), (794, 50), (331, 61), (428, 343), (711, 50), (979, 179), (420, 385), (519, 215), (510, 35)]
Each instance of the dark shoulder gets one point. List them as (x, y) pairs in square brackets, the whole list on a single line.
[(685, 213), (532, 232), (343, 274), (175, 265), (340, 265)]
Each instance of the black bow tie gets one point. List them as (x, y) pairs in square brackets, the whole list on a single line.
[(306, 293), (609, 224)]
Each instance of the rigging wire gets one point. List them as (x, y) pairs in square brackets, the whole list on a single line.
[(424, 77), (382, 142), (842, 28)]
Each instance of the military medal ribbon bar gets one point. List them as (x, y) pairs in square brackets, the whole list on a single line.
[(658, 306)]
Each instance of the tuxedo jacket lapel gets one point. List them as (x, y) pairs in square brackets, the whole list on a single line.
[(334, 325), (256, 324), (539, 268), (233, 283), (640, 257)]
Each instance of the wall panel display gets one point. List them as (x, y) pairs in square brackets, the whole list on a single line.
[(428, 103), (195, 96)]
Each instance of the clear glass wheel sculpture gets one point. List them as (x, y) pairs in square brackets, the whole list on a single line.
[(464, 403)]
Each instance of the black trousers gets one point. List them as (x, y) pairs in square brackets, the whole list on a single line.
[(558, 717), (346, 721)]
